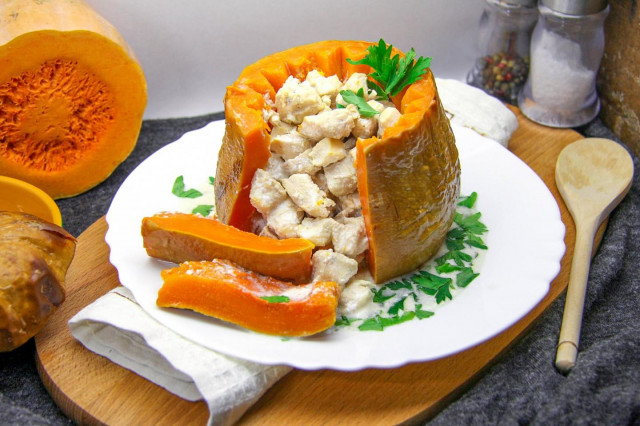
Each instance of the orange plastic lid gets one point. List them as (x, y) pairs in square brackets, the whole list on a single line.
[(20, 196)]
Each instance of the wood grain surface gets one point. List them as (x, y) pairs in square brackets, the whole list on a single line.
[(92, 390)]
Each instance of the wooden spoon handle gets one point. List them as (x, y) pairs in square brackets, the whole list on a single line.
[(576, 291)]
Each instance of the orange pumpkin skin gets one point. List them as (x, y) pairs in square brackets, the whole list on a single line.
[(73, 95), (181, 237), (222, 290), (408, 180)]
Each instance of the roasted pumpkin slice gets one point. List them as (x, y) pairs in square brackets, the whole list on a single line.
[(180, 237), (225, 291), (72, 95), (408, 180)]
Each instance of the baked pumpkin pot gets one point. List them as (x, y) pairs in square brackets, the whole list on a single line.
[(407, 179), (72, 95)]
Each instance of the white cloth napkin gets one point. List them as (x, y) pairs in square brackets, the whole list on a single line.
[(116, 327)]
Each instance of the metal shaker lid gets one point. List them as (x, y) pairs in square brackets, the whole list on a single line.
[(575, 7), (523, 3)]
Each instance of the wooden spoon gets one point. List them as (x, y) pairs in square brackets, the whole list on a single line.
[(593, 175)]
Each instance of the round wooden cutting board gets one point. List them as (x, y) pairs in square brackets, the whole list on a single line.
[(92, 390)]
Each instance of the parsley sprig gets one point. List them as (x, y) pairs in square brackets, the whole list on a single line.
[(359, 101), (390, 73), (453, 269)]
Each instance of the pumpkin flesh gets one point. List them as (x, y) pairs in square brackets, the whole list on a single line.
[(73, 96), (180, 237), (222, 290)]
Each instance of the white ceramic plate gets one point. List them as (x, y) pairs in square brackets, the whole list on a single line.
[(525, 242)]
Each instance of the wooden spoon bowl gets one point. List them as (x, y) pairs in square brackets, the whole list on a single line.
[(593, 175)]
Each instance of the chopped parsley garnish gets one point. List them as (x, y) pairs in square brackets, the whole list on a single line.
[(179, 191), (212, 180), (399, 299), (392, 73), (203, 209), (276, 299), (359, 101)]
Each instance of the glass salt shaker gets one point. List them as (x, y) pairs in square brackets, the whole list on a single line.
[(566, 49), (504, 38)]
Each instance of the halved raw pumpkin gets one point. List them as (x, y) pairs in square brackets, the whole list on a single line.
[(72, 95), (180, 237), (408, 180), (223, 290)]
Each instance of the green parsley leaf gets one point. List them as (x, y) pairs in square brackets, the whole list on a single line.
[(397, 307), (395, 320), (420, 314), (459, 258), (344, 321), (358, 100), (212, 180), (468, 201), (475, 241), (179, 191), (465, 276), (455, 239), (470, 223), (275, 299), (203, 209), (397, 285), (447, 268), (379, 296), (391, 74), (371, 324)]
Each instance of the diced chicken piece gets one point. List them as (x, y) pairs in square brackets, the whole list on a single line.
[(289, 145), (331, 266), (327, 151), (341, 176), (350, 237), (326, 86), (378, 106), (335, 123), (296, 100), (365, 127), (301, 164), (318, 231), (279, 127), (356, 295), (268, 232), (355, 82), (349, 204), (284, 219), (306, 195), (266, 192), (350, 143), (388, 118), (321, 180), (275, 167)]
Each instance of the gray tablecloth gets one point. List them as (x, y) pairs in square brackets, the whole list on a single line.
[(523, 387)]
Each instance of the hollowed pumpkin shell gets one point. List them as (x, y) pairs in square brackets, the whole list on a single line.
[(408, 180)]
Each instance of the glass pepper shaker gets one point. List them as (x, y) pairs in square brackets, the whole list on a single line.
[(566, 49), (504, 38)]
